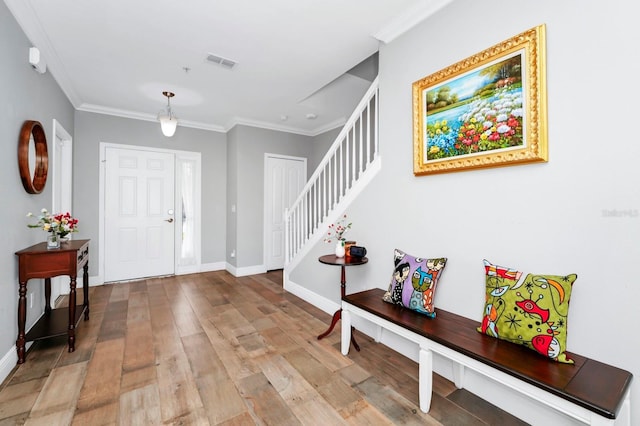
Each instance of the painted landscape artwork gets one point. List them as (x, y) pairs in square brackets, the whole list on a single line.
[(478, 112), (487, 110)]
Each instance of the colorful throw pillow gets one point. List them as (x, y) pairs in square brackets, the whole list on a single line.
[(413, 282), (531, 311)]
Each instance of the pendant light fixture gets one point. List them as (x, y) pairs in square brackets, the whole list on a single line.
[(168, 120)]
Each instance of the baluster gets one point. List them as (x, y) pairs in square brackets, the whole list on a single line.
[(330, 181), (375, 128), (368, 133), (299, 230), (316, 220), (313, 206), (336, 198), (340, 154), (322, 196), (360, 148), (347, 163), (353, 157), (303, 204)]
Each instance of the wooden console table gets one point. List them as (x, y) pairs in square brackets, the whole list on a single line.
[(39, 262)]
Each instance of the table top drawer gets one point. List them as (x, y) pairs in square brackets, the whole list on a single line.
[(39, 262)]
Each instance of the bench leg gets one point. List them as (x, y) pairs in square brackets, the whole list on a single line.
[(378, 333), (345, 332), (597, 420), (425, 379), (625, 411), (458, 375)]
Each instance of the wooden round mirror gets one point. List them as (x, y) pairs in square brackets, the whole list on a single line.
[(33, 159)]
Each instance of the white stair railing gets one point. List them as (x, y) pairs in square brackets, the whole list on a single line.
[(346, 168)]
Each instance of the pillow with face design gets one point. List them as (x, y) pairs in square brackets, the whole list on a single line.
[(528, 309), (413, 282)]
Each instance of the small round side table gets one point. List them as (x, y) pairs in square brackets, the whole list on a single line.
[(343, 262)]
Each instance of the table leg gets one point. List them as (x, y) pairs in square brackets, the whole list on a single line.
[(85, 290), (22, 318), (343, 292), (71, 332), (353, 340), (47, 296), (336, 316)]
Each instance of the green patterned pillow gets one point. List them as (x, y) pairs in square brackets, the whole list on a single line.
[(531, 311)]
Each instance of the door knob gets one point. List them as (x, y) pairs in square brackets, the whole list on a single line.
[(169, 220)]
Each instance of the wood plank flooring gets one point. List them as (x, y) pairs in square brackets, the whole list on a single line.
[(212, 349)]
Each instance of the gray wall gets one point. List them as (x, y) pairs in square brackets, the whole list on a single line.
[(26, 95), (554, 217), (232, 194), (92, 129), (320, 146), (247, 166)]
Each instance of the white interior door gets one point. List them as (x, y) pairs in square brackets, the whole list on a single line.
[(139, 214), (284, 179), (61, 189)]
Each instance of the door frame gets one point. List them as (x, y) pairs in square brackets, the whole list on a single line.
[(178, 155), (265, 231), (64, 170)]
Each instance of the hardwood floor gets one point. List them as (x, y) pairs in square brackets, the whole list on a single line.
[(212, 349)]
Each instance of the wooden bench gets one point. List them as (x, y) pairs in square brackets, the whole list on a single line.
[(589, 391)]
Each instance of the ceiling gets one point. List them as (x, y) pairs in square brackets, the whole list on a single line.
[(292, 56)]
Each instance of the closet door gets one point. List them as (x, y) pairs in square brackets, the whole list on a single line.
[(284, 179)]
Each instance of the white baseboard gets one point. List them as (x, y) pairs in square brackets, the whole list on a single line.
[(329, 306), (7, 363), (246, 270), (204, 267), (210, 267), (9, 360), (186, 270)]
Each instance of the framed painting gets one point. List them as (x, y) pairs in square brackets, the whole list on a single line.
[(485, 111)]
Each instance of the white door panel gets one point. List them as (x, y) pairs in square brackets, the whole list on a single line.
[(139, 229), (285, 179)]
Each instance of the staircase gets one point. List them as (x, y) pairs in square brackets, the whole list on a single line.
[(351, 162)]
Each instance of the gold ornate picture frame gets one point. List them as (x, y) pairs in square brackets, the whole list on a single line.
[(487, 110)]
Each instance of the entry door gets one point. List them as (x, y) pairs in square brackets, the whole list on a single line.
[(285, 178), (139, 216)]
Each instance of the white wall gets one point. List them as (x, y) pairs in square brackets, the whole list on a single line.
[(543, 218)]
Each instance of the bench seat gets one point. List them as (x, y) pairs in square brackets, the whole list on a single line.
[(589, 390)]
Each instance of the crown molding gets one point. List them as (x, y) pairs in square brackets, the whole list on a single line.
[(270, 126), (409, 19), (98, 109)]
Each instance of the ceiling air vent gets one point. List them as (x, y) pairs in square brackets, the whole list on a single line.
[(219, 60)]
